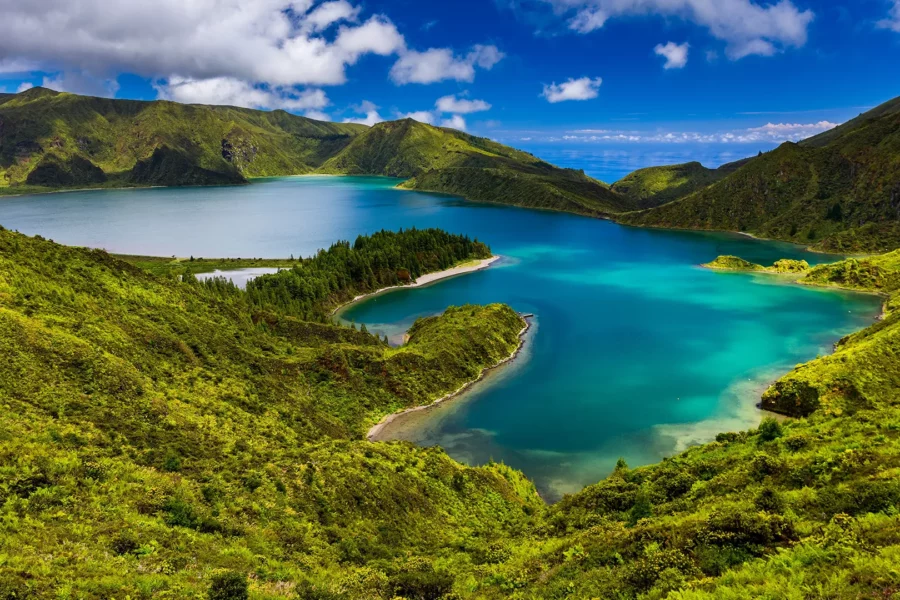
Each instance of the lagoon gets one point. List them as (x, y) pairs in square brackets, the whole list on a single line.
[(636, 351)]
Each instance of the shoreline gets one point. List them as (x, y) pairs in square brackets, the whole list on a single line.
[(797, 279), (378, 428), (424, 280)]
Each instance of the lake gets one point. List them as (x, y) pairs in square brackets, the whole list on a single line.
[(636, 351)]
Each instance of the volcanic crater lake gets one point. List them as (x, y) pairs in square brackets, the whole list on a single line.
[(636, 352)]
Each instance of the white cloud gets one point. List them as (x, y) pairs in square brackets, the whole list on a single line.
[(892, 22), (328, 13), (318, 115), (235, 92), (588, 19), (25, 86), (15, 65), (461, 106), (422, 116), (676, 55), (439, 64), (770, 133), (455, 122), (279, 42), (80, 82), (371, 114), (746, 26), (584, 88)]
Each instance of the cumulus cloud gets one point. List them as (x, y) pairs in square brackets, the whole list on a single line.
[(422, 116), (80, 82), (264, 54), (235, 92), (15, 65), (461, 106), (892, 22), (24, 87), (676, 55), (747, 27), (770, 132), (588, 19), (371, 114), (318, 115), (583, 88), (331, 12), (454, 122), (280, 42), (440, 64)]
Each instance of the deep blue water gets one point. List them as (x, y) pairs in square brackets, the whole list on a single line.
[(636, 352)]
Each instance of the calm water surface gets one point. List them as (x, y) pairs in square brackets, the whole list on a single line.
[(636, 352)]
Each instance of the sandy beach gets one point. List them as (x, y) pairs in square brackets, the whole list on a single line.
[(428, 278), (373, 433)]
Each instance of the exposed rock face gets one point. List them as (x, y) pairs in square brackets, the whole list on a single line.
[(53, 171), (238, 151), (26, 149), (170, 167)]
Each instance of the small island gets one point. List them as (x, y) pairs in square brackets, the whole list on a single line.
[(734, 263)]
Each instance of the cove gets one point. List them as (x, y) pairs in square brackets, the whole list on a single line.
[(636, 352)]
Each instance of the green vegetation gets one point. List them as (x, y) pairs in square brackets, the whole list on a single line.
[(654, 186), (734, 263), (838, 192), (317, 285), (179, 267), (163, 437), (158, 436), (53, 141), (69, 137), (448, 161)]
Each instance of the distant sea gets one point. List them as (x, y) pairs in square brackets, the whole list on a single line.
[(613, 162)]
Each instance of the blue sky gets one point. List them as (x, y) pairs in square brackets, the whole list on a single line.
[(597, 74)]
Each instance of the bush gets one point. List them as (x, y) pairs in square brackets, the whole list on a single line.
[(229, 585), (770, 429)]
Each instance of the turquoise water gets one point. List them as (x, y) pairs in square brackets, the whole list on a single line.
[(636, 352)]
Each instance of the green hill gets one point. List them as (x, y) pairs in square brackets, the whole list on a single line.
[(839, 191), (156, 143), (166, 438), (655, 186), (53, 140), (444, 160)]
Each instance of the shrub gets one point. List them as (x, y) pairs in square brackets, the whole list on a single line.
[(770, 429), (229, 585)]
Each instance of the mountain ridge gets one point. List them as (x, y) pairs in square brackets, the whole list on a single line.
[(838, 192)]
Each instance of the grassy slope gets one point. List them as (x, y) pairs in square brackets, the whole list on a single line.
[(116, 134), (155, 431), (839, 191), (449, 161), (655, 186)]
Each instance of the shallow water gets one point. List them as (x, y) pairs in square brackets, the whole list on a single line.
[(239, 277), (636, 353)]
